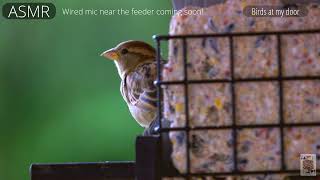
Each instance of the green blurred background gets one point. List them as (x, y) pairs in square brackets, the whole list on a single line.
[(59, 100)]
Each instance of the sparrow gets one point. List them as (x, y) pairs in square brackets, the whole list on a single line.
[(136, 65), (137, 68)]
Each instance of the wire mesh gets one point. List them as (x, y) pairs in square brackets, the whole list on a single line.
[(232, 81)]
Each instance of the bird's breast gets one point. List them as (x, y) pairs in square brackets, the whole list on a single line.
[(142, 116)]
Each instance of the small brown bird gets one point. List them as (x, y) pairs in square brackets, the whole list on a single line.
[(135, 61)]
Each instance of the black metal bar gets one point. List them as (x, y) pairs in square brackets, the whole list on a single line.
[(83, 171), (186, 101), (158, 58), (242, 126), (147, 158), (206, 81), (281, 118), (233, 99), (167, 37), (159, 96)]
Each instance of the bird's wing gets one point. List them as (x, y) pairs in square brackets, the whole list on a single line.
[(140, 88)]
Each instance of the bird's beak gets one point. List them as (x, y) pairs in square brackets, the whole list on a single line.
[(110, 54)]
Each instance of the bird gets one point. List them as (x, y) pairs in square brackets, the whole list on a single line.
[(137, 68)]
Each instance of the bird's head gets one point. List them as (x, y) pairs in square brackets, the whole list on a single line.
[(129, 54)]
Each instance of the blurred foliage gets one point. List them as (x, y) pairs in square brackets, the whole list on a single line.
[(59, 100)]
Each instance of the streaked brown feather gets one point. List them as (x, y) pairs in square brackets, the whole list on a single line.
[(138, 88)]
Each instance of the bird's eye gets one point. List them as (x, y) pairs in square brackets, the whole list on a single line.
[(124, 51)]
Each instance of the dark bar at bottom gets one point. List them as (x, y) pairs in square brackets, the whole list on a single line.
[(147, 158), (83, 171)]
